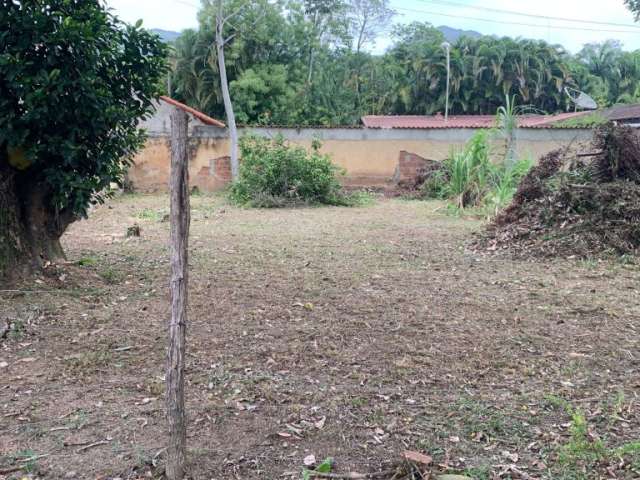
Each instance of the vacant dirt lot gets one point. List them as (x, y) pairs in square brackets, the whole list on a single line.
[(346, 333)]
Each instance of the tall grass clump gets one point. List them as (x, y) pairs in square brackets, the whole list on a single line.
[(470, 179), (274, 173)]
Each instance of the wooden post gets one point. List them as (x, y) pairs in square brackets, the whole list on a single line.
[(180, 219)]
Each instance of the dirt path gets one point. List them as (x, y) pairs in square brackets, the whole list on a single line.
[(345, 333)]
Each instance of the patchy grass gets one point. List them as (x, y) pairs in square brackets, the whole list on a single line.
[(345, 333)]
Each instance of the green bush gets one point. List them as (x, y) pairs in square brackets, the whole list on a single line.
[(275, 173)]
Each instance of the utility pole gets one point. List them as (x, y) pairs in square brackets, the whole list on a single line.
[(447, 47)]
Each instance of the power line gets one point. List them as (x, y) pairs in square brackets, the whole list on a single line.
[(522, 24), (529, 15), (189, 4)]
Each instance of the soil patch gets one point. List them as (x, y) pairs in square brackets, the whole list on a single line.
[(351, 333)]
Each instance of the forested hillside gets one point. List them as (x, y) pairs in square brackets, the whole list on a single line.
[(307, 62)]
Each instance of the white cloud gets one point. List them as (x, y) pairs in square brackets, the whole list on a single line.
[(567, 34), (175, 15), (180, 14)]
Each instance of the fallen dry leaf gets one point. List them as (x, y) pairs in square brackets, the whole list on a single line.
[(320, 423), (417, 457)]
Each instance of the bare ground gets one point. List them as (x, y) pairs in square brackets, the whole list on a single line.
[(346, 333)]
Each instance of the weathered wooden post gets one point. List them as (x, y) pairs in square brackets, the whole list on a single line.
[(180, 219)]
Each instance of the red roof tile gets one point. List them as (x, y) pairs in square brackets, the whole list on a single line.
[(459, 121), (206, 119)]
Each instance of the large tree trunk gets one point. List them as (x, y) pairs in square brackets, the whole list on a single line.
[(30, 228)]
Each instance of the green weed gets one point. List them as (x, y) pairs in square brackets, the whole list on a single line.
[(324, 467), (110, 275), (18, 330), (469, 178), (151, 215), (482, 472), (581, 448), (584, 451), (87, 261)]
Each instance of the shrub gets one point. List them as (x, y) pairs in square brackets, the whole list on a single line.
[(470, 179), (275, 173), (507, 179)]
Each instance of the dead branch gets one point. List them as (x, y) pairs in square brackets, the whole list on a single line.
[(33, 459), (7, 471), (591, 154), (91, 445)]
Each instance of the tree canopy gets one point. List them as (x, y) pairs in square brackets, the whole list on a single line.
[(306, 62), (75, 82)]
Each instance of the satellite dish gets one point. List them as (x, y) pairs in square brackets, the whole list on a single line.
[(581, 99)]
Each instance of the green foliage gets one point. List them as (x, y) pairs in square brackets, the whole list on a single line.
[(301, 65), (87, 261), (151, 214), (274, 173), (75, 82), (359, 198), (470, 179), (634, 6), (506, 179), (591, 120), (581, 448), (466, 173), (585, 450), (262, 95), (324, 467)]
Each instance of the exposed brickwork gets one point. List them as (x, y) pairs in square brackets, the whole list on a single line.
[(409, 166), (214, 177)]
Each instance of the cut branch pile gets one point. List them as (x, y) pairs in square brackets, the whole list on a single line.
[(575, 204)]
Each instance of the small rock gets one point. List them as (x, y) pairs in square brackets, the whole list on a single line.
[(4, 364), (417, 457), (309, 460)]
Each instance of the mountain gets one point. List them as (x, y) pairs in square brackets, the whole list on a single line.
[(453, 34), (166, 35)]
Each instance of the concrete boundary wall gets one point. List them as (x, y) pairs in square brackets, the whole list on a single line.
[(453, 135), (369, 156)]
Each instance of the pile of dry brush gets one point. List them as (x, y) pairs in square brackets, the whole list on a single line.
[(575, 204)]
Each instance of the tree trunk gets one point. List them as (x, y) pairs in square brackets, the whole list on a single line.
[(226, 97), (30, 228), (180, 219)]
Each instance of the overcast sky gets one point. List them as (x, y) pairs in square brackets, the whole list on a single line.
[(180, 14)]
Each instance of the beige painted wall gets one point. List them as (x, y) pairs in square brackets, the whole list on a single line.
[(369, 157)]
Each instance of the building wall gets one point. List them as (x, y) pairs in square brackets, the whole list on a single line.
[(369, 156)]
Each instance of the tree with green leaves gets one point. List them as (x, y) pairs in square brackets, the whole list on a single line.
[(75, 82), (634, 6), (306, 63), (367, 19)]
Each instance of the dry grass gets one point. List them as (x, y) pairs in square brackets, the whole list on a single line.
[(350, 333)]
